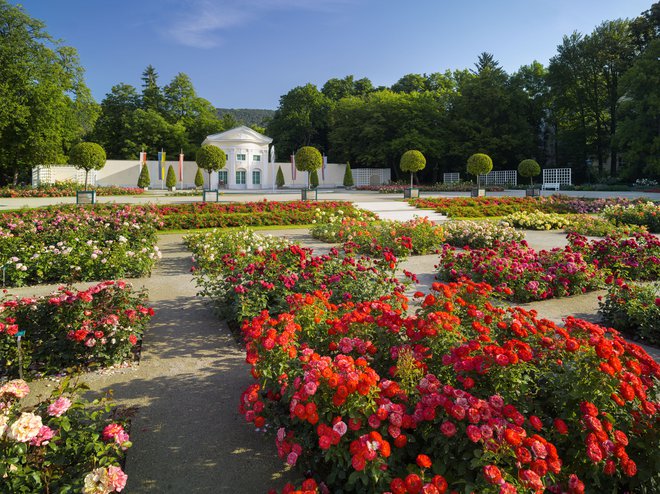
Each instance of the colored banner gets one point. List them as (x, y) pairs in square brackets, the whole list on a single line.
[(143, 157), (181, 167), (161, 165)]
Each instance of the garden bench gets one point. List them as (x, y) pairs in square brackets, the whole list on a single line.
[(550, 185)]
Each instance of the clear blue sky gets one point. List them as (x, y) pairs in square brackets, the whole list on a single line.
[(247, 53)]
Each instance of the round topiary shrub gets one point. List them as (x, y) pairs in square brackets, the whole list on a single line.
[(529, 168), (479, 164), (87, 156), (412, 161), (211, 158), (308, 159)]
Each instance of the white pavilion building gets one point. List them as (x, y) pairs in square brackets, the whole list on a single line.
[(248, 165)]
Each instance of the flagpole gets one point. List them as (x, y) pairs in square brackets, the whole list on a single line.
[(181, 168)]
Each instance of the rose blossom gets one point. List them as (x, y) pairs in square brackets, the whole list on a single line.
[(59, 407), (116, 479), (17, 387), (25, 428), (43, 437)]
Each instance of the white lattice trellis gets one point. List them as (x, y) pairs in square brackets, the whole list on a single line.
[(557, 176), (500, 177), (42, 175), (451, 178), (371, 176)]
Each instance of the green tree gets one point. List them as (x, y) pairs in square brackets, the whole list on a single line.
[(348, 176), (170, 178), (308, 159), (302, 119), (199, 178), (211, 158), (152, 95), (150, 131), (638, 133), (46, 107), (411, 83), (412, 161), (87, 156), (479, 164), (113, 128), (144, 180), (279, 178), (529, 168)]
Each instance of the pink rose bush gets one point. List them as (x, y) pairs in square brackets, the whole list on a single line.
[(59, 446), (101, 325), (460, 395), (520, 273)]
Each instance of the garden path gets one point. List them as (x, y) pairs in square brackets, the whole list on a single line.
[(398, 210)]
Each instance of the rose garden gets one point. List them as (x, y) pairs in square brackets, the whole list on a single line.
[(361, 376)]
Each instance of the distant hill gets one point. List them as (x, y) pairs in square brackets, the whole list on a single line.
[(247, 116)]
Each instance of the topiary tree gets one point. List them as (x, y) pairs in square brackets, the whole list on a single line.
[(412, 161), (308, 159), (279, 178), (144, 180), (87, 156), (479, 164), (348, 176), (199, 178), (529, 168), (314, 179), (211, 158), (170, 179)]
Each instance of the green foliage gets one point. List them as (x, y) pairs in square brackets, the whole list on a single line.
[(308, 159), (87, 156), (145, 179), (248, 117), (412, 161), (479, 164), (279, 178), (170, 179), (199, 178), (348, 176), (529, 168), (211, 158), (637, 133), (46, 107), (633, 309), (314, 179)]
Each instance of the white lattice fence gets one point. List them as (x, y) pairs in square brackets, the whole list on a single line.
[(500, 177), (451, 178), (371, 176), (42, 175), (557, 176)]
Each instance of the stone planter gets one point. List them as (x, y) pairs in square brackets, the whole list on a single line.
[(86, 197), (533, 192), (410, 193), (308, 194), (478, 193), (172, 189)]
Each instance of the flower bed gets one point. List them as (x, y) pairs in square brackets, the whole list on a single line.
[(644, 214), (479, 234), (636, 257), (244, 273), (418, 236), (67, 189), (62, 445), (439, 187), (633, 309), (98, 326), (536, 220), (76, 244), (463, 396), (520, 273), (476, 207), (596, 226)]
